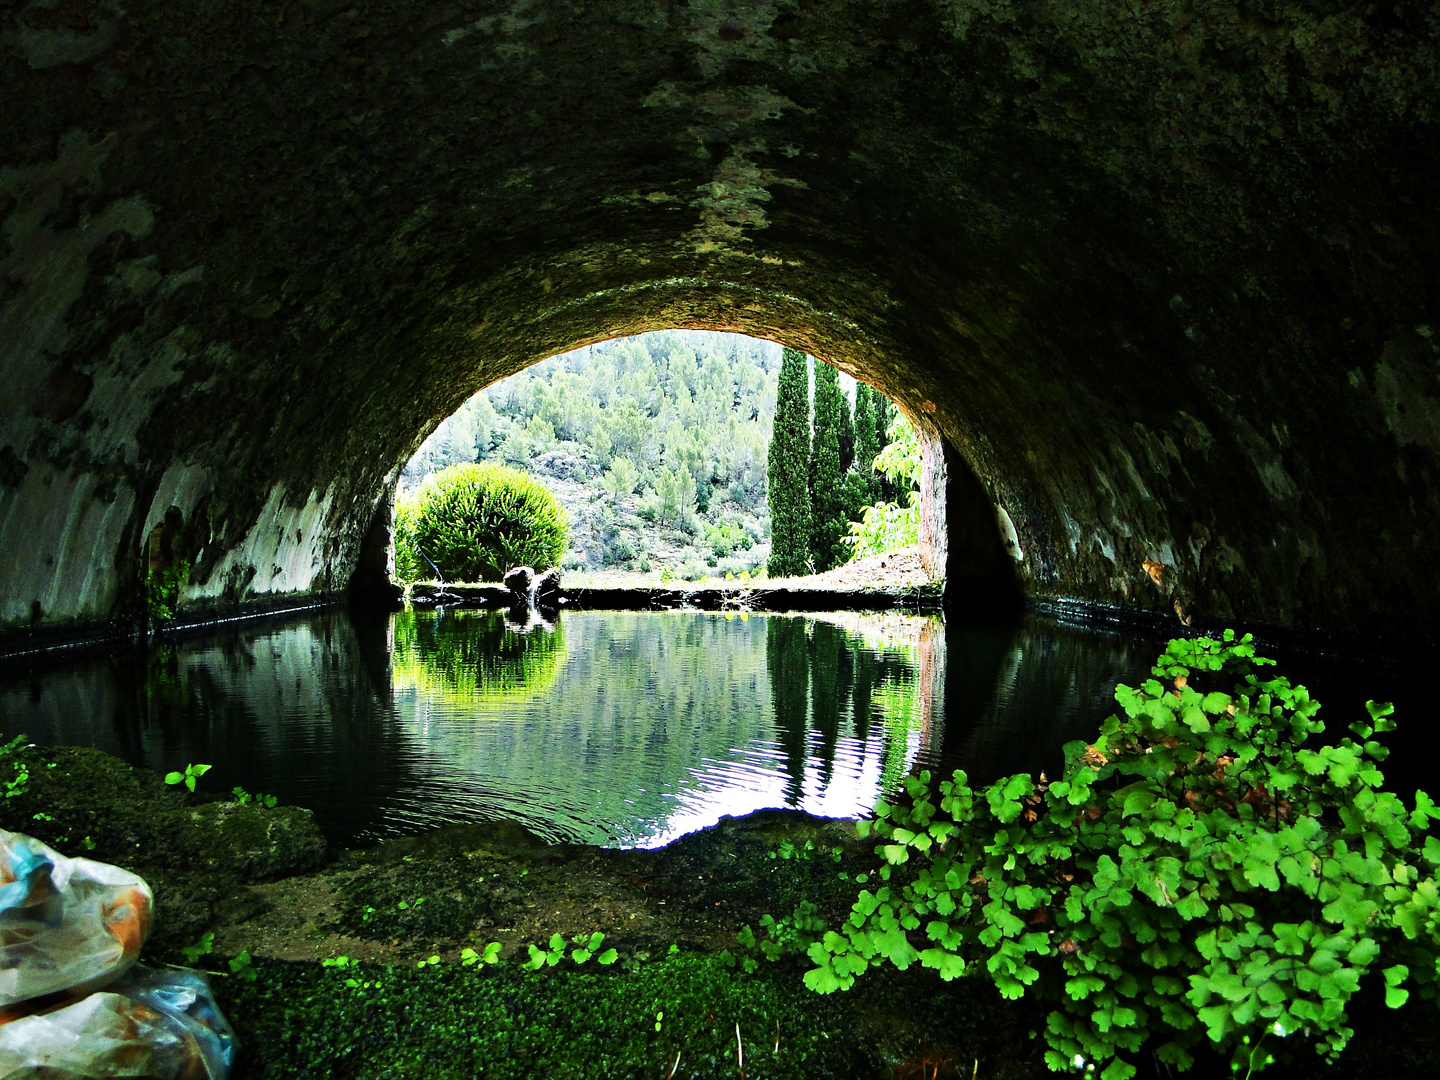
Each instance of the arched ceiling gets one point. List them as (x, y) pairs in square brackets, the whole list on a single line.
[(1163, 275)]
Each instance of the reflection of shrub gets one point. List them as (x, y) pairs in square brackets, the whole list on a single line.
[(1199, 872), (163, 589), (475, 656), (477, 521)]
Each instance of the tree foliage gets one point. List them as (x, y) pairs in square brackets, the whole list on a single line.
[(867, 444), (789, 466), (888, 526), (477, 521), (828, 519), (676, 399), (1200, 873)]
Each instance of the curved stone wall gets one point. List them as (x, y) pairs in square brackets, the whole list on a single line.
[(1162, 277)]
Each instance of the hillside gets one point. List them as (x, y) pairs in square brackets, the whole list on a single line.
[(655, 445)]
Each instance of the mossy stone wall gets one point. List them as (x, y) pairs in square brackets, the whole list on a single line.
[(1163, 276)]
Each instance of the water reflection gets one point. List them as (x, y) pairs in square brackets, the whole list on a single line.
[(1013, 699), (478, 660), (610, 727), (656, 723)]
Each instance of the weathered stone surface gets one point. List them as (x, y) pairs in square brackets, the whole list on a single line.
[(1164, 278)]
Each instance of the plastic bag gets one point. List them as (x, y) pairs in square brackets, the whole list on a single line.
[(158, 1024), (65, 924)]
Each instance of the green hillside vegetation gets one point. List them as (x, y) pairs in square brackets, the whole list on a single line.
[(655, 445), (658, 448)]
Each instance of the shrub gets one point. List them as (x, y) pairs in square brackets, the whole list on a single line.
[(618, 550), (409, 566), (1198, 872), (477, 521), (726, 537), (884, 528)]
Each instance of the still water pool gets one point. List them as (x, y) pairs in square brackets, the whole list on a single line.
[(614, 728)]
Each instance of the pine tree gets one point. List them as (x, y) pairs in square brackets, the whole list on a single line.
[(789, 494), (827, 501)]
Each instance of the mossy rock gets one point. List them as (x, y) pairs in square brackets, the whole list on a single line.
[(198, 859), (504, 837), (260, 844)]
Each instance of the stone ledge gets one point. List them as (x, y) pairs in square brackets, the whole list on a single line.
[(710, 596)]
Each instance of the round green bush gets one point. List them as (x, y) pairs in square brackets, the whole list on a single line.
[(477, 521)]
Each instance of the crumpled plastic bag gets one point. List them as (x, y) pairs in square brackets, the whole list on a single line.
[(153, 1023), (70, 925)]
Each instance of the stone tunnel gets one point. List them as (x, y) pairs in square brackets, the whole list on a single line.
[(1158, 281)]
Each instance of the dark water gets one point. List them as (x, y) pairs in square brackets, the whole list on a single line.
[(615, 728)]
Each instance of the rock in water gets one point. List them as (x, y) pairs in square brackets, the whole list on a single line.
[(520, 580), (547, 588)]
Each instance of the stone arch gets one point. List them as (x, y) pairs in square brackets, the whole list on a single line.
[(1179, 325)]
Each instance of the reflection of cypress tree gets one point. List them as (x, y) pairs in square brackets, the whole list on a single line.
[(827, 501), (788, 660), (864, 659), (789, 494), (830, 677)]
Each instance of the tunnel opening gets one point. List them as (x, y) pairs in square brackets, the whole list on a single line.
[(657, 445)]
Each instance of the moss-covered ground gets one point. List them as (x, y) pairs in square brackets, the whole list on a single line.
[(198, 853), (303, 1021)]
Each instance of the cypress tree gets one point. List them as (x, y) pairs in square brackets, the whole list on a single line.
[(788, 468), (827, 500), (885, 411), (846, 432), (866, 443)]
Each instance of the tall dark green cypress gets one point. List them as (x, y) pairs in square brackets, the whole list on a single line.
[(846, 432), (884, 412), (789, 469), (828, 522), (867, 444)]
